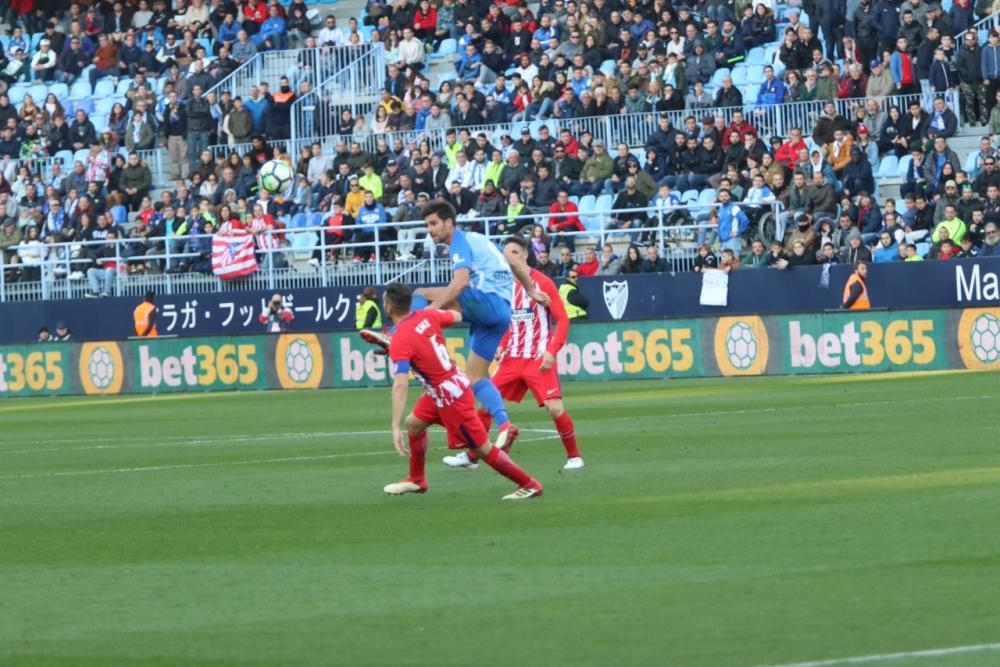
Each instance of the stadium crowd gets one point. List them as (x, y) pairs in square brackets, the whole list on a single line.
[(876, 83)]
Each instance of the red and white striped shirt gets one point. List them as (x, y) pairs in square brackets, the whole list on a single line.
[(258, 227), (531, 332)]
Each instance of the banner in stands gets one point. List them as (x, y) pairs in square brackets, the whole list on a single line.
[(834, 342), (899, 286)]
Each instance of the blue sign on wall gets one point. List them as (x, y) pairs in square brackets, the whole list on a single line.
[(930, 284)]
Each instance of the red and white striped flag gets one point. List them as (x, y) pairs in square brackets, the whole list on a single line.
[(233, 255)]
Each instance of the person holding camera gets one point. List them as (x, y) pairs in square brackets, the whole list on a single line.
[(276, 317)]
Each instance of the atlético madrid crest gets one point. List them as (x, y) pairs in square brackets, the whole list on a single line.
[(616, 298)]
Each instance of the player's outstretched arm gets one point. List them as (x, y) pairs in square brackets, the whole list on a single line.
[(400, 388), (448, 296)]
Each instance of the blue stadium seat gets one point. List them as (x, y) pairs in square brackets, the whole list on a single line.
[(16, 93), (80, 91), (60, 90), (903, 166), (104, 88), (449, 47), (755, 58), (366, 33), (923, 249), (689, 196), (123, 85), (706, 196), (534, 126), (575, 199), (38, 91), (303, 243), (887, 167), (81, 155), (970, 164), (720, 74), (604, 203), (739, 75), (35, 39), (86, 105), (609, 67), (587, 205), (104, 105), (207, 43), (100, 122), (119, 214), (65, 157), (298, 220)]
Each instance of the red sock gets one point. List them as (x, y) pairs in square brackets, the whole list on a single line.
[(565, 427), (485, 418), (418, 454), (499, 461)]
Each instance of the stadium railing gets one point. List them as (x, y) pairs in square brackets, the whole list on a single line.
[(354, 85), (155, 158), (635, 129), (289, 265), (314, 65)]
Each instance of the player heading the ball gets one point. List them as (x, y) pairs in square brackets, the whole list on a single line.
[(482, 287)]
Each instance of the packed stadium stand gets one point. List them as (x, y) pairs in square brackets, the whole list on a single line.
[(756, 135)]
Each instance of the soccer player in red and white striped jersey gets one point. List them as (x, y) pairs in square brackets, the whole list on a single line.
[(528, 357)]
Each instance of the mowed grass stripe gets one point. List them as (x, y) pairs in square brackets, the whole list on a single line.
[(848, 525)]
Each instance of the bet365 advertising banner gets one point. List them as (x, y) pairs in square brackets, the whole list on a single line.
[(832, 342)]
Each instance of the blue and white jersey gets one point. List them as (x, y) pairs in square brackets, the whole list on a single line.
[(489, 271)]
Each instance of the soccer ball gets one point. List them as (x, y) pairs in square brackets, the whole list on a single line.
[(986, 338), (276, 176), (299, 361), (741, 346), (101, 367)]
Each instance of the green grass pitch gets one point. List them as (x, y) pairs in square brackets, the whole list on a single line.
[(718, 522)]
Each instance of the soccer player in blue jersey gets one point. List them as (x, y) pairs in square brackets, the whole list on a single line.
[(482, 287)]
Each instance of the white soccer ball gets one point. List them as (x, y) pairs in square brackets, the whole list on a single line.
[(986, 338), (741, 346), (299, 361), (101, 367), (276, 176)]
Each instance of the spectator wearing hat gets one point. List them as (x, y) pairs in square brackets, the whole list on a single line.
[(880, 82), (62, 333), (43, 63)]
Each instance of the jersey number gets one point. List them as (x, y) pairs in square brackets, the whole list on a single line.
[(442, 353)]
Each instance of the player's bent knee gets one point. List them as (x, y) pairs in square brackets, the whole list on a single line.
[(414, 426), (555, 408)]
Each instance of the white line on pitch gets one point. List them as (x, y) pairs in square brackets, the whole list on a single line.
[(886, 657), (186, 466), (180, 441), (218, 464)]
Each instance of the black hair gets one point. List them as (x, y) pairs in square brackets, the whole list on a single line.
[(517, 240), (441, 209), (399, 297)]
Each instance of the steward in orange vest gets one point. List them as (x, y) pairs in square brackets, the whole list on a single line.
[(856, 289), (144, 316)]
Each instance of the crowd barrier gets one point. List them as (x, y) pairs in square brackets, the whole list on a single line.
[(631, 129), (834, 342), (663, 296)]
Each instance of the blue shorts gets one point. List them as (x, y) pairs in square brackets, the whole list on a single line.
[(488, 316)]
